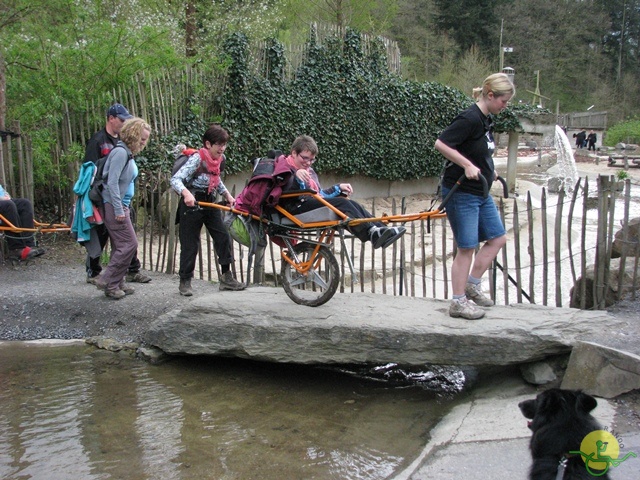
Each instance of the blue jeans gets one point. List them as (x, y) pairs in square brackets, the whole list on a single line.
[(473, 219)]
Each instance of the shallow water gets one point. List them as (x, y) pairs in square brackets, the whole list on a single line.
[(74, 412)]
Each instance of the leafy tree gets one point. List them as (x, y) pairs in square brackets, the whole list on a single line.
[(564, 48), (626, 132), (621, 42), (470, 22), (424, 51)]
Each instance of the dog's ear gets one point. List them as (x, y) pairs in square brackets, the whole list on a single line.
[(549, 401), (585, 403)]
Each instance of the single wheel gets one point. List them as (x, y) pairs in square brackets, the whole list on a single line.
[(314, 286)]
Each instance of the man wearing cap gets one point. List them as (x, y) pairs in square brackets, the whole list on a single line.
[(99, 145)]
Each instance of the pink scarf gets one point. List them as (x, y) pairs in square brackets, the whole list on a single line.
[(213, 168), (312, 184)]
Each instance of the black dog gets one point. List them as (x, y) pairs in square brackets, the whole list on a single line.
[(560, 420)]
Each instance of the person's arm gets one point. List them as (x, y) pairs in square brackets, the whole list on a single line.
[(184, 176), (223, 191), (337, 190), (117, 161), (453, 155)]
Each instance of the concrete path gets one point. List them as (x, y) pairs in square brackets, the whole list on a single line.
[(487, 437)]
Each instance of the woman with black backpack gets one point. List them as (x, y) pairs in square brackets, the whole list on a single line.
[(120, 173), (198, 180)]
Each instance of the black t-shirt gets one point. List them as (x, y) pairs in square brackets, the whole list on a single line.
[(470, 134), (99, 145)]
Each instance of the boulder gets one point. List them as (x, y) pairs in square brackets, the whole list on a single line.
[(629, 246), (262, 323), (538, 373), (554, 184), (611, 293), (602, 371)]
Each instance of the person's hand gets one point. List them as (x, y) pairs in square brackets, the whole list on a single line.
[(229, 197), (303, 175), (346, 189), (472, 172), (189, 199), (120, 218)]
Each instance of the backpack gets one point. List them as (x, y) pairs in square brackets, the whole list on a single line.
[(97, 183), (270, 174), (182, 155), (181, 159)]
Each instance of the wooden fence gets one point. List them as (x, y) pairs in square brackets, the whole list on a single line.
[(550, 246)]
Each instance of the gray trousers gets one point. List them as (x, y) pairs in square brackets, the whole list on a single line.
[(124, 245)]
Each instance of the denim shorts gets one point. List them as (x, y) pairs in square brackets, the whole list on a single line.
[(473, 219)]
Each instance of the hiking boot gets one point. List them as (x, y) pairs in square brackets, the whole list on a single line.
[(137, 277), (92, 280), (185, 287), (474, 292), (227, 282), (396, 233), (127, 289), (100, 285), (463, 308), (116, 294)]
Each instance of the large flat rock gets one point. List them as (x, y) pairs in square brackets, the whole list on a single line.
[(262, 323)]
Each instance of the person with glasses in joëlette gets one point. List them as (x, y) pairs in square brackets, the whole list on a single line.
[(303, 154)]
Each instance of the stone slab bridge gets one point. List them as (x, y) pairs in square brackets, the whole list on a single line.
[(262, 323)]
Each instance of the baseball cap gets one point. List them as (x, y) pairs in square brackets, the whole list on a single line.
[(118, 110)]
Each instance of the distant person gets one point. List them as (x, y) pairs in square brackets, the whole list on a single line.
[(121, 171), (198, 180), (467, 143), (19, 212), (301, 159), (581, 139), (591, 141), (99, 145)]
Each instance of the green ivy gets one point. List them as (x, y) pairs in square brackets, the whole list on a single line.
[(366, 121)]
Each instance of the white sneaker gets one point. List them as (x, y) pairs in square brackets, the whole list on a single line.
[(463, 308), (474, 292)]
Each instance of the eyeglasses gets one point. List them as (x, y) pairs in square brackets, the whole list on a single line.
[(309, 160)]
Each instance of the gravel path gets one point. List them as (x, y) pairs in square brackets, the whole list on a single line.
[(49, 298)]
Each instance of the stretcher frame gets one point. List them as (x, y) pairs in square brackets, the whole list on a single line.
[(310, 273)]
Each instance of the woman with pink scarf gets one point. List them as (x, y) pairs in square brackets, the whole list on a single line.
[(198, 180)]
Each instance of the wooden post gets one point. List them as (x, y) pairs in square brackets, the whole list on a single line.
[(512, 161)]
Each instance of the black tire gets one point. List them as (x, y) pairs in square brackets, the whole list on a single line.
[(319, 284)]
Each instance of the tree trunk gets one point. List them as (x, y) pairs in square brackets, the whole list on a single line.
[(190, 30)]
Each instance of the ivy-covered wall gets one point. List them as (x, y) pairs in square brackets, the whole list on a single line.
[(365, 120)]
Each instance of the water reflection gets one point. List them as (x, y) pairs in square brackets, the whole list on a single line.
[(78, 413)]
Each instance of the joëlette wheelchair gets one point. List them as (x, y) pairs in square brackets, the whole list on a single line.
[(7, 228), (310, 272)]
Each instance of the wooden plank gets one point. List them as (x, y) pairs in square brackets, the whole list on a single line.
[(558, 246), (545, 248), (625, 237), (531, 249), (517, 251)]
